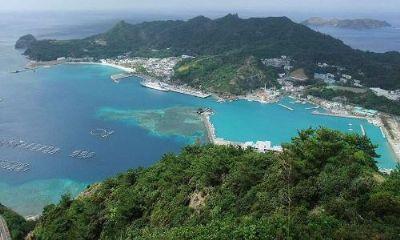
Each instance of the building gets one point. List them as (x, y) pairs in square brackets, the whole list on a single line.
[(392, 95), (262, 146), (327, 78)]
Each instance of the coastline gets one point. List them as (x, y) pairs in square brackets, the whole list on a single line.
[(394, 142), (390, 133)]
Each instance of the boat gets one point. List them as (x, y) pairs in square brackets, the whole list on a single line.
[(154, 85)]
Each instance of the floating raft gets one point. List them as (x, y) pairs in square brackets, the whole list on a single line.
[(101, 132), (14, 166), (35, 147), (82, 154)]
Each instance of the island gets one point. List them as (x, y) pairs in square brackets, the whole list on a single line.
[(231, 56), (358, 24), (257, 59), (25, 41)]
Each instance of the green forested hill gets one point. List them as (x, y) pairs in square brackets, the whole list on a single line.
[(232, 36), (16, 224), (324, 186)]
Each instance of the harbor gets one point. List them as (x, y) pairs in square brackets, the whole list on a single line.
[(259, 146)]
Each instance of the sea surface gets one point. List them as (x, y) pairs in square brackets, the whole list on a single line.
[(60, 105)]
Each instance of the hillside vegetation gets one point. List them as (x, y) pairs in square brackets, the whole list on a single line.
[(17, 225), (225, 74), (325, 185), (228, 36)]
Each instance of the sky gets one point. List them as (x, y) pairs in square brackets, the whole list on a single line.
[(315, 6)]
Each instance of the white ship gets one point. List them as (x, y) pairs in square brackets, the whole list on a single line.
[(154, 85)]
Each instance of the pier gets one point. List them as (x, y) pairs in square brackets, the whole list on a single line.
[(14, 166), (284, 106), (117, 77), (311, 108)]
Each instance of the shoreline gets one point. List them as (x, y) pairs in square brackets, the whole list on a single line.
[(377, 120)]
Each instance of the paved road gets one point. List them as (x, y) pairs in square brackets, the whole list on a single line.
[(4, 233)]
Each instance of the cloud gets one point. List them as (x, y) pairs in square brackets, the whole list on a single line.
[(205, 5)]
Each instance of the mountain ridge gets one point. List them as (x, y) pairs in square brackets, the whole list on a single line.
[(230, 35)]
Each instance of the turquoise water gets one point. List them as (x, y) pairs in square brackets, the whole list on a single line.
[(61, 104), (248, 121)]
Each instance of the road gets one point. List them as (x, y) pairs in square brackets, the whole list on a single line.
[(4, 233)]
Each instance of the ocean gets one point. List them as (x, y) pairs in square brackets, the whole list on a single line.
[(61, 105)]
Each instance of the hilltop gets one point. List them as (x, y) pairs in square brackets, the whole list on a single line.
[(325, 185), (359, 24), (237, 43)]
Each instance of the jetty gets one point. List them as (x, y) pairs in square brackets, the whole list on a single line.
[(24, 70), (117, 77), (362, 129), (284, 106)]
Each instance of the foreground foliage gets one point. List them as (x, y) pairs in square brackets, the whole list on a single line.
[(325, 185), (17, 225)]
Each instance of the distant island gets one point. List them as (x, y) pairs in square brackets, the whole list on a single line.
[(359, 24)]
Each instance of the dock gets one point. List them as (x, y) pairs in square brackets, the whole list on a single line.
[(311, 108), (362, 129), (284, 106), (118, 77)]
